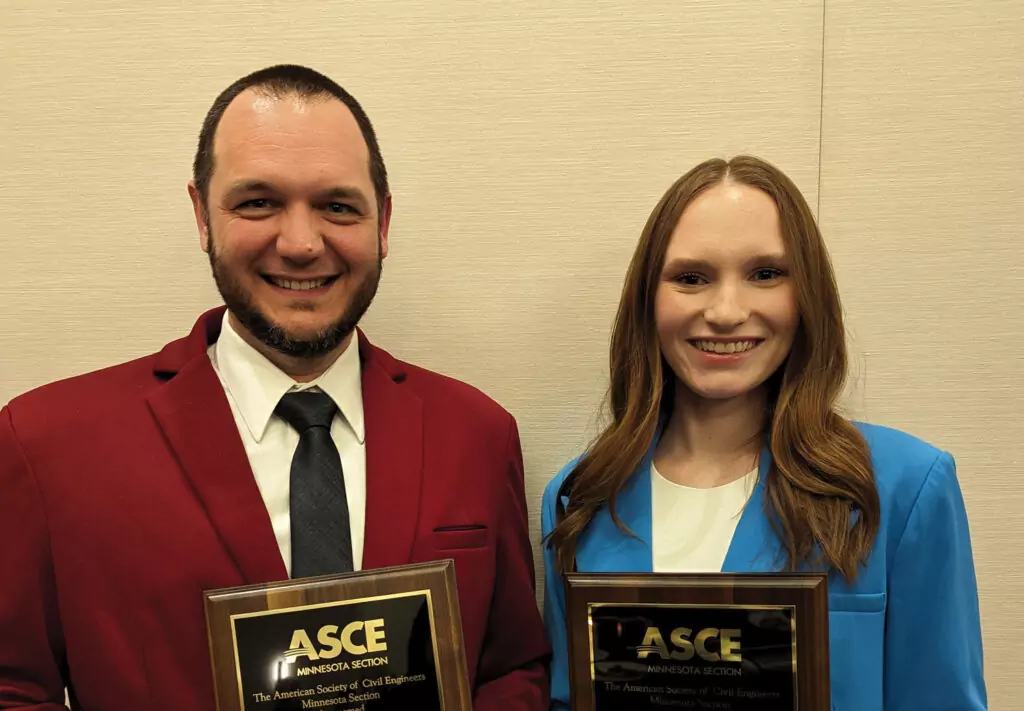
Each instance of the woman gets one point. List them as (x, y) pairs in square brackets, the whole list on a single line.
[(725, 451)]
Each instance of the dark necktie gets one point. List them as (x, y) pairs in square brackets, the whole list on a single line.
[(321, 539)]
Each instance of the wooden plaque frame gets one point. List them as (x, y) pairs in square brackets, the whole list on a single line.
[(805, 593), (435, 579)]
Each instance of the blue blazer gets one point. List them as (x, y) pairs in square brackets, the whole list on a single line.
[(905, 636)]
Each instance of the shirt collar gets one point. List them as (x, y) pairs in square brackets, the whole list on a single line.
[(257, 385)]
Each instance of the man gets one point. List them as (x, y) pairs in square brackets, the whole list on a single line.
[(272, 441)]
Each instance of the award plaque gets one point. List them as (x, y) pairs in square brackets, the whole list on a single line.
[(734, 642), (377, 640)]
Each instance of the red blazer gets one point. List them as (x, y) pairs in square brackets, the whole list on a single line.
[(126, 493)]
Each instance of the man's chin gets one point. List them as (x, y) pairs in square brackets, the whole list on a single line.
[(315, 339), (297, 338), (303, 330), (301, 324), (311, 342)]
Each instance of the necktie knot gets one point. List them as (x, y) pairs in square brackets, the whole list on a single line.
[(307, 408)]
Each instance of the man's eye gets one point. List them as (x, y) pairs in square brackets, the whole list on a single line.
[(339, 208), (254, 204)]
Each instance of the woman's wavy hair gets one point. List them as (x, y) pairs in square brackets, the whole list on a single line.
[(820, 488)]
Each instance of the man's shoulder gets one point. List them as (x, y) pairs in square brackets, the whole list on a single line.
[(442, 393), (82, 395), (86, 384), (454, 395), (83, 398)]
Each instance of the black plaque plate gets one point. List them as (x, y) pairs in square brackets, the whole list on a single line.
[(658, 657), (340, 655)]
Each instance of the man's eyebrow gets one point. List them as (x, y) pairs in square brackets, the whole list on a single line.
[(250, 186), (340, 192), (343, 192)]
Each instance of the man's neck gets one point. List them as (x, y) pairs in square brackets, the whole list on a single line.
[(301, 370), (711, 442)]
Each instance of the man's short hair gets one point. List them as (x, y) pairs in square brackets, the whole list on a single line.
[(284, 80)]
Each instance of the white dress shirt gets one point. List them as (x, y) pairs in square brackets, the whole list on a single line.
[(692, 529), (254, 386)]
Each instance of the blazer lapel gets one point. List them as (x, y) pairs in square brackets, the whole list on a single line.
[(194, 414), (606, 548), (755, 545), (394, 459)]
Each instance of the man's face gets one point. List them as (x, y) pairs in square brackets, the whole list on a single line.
[(291, 223)]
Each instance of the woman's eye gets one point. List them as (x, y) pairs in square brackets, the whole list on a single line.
[(690, 279), (767, 273)]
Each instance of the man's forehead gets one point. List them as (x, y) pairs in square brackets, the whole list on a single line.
[(259, 101), (288, 120)]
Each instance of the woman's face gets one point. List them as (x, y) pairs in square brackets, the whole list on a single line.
[(725, 304)]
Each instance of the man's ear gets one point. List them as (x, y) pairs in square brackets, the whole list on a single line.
[(385, 224), (202, 221)]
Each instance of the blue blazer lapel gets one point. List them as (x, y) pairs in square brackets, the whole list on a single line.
[(604, 547), (755, 546)]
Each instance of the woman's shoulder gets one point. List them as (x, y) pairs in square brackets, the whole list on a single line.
[(555, 483), (889, 444), (907, 466)]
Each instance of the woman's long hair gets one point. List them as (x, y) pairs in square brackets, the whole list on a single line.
[(820, 488)]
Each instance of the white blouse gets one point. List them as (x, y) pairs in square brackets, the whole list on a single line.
[(693, 528)]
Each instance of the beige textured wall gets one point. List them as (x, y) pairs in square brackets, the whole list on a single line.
[(527, 142), (921, 170)]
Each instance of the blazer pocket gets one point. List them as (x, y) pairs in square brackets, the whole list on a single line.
[(455, 538), (856, 602)]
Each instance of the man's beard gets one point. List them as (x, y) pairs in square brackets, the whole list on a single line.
[(241, 304)]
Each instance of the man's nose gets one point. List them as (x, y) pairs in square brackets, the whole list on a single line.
[(299, 239)]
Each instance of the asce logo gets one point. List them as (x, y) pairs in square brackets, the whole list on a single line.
[(332, 644), (684, 649)]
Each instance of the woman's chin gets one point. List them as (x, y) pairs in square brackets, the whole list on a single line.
[(722, 391)]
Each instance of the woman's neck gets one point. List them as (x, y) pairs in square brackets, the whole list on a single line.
[(709, 443)]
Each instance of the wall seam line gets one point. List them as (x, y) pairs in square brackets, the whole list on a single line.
[(821, 103)]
